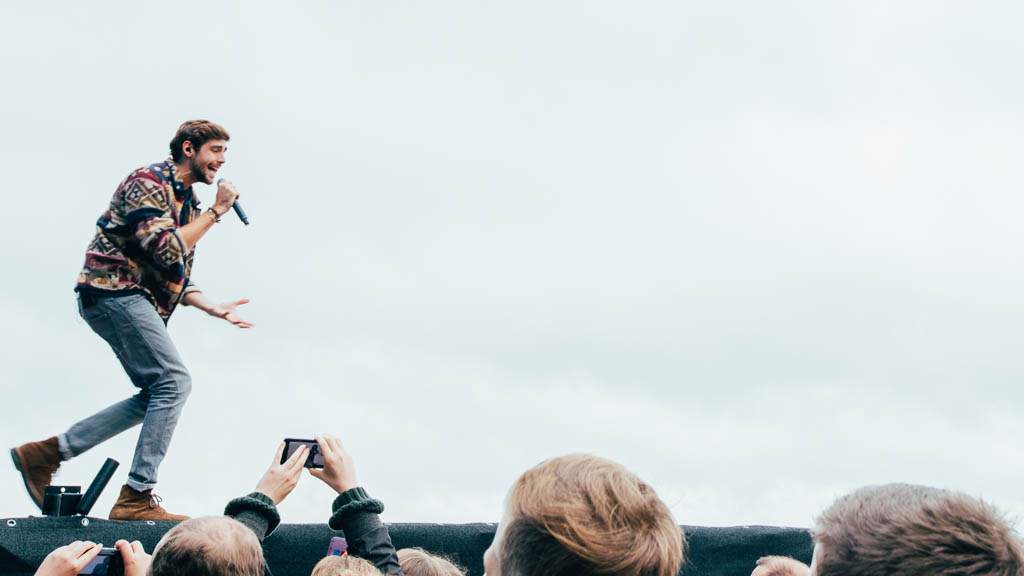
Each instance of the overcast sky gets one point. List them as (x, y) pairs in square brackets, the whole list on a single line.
[(761, 253)]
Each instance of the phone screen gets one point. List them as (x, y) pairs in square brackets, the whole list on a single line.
[(315, 458), (107, 563)]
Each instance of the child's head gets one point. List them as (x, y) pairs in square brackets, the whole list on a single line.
[(344, 566), (419, 562)]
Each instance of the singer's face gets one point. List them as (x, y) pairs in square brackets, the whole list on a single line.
[(208, 160)]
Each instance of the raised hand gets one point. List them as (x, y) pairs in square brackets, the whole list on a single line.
[(339, 470), (281, 479)]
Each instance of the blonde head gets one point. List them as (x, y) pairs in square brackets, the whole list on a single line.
[(208, 546), (581, 515), (419, 562), (344, 566)]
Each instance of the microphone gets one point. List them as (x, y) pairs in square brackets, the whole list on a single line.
[(238, 208)]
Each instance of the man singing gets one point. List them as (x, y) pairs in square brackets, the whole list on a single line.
[(136, 273)]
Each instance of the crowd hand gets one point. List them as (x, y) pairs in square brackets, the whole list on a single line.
[(339, 470), (228, 311), (281, 479), (226, 196), (69, 560), (136, 561)]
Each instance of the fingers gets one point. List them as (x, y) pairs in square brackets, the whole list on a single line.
[(298, 458), (87, 556), (242, 301), (335, 444), (295, 467), (325, 448), (234, 319), (127, 550), (278, 454), (77, 548), (329, 443), (137, 547)]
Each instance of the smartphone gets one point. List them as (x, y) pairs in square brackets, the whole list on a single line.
[(315, 458), (338, 547), (107, 563)]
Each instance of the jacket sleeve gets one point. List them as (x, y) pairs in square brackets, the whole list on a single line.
[(256, 511), (358, 516), (188, 290), (147, 214)]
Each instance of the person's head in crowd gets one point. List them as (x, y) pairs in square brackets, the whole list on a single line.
[(582, 515), (209, 546), (780, 566), (913, 530), (419, 562), (344, 566)]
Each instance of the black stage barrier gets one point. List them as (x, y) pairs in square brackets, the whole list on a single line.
[(293, 549)]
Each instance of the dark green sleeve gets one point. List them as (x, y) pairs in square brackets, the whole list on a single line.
[(255, 510), (358, 516)]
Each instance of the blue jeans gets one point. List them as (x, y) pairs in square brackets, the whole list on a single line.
[(139, 338)]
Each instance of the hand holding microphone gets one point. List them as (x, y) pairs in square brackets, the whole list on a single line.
[(228, 196)]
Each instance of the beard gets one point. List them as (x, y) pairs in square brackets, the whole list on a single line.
[(201, 172)]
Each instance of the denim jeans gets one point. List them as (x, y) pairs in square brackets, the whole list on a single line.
[(139, 338)]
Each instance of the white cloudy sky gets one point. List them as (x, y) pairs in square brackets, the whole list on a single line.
[(760, 252)]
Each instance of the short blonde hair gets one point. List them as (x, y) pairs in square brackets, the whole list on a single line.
[(915, 531), (580, 515), (208, 546), (344, 566), (782, 566), (419, 562)]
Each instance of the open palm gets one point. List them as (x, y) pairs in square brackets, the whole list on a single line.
[(229, 312)]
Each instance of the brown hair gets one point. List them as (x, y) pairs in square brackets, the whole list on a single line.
[(210, 546), (344, 566), (912, 530), (583, 515), (419, 562), (782, 566), (198, 132)]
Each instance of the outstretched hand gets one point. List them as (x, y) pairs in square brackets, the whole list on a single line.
[(228, 311), (68, 560), (281, 479), (339, 470)]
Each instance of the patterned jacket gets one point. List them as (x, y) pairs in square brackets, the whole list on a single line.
[(137, 247)]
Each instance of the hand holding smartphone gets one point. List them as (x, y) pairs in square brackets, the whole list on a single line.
[(107, 563)]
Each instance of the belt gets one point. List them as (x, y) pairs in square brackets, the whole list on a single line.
[(88, 299)]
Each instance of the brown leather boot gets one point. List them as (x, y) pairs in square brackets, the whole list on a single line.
[(37, 461), (135, 505)]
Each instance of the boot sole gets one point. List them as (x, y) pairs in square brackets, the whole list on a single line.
[(17, 466)]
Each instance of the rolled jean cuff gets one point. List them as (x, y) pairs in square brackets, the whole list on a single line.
[(139, 486), (64, 447)]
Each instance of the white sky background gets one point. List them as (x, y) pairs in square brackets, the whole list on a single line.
[(761, 253)]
